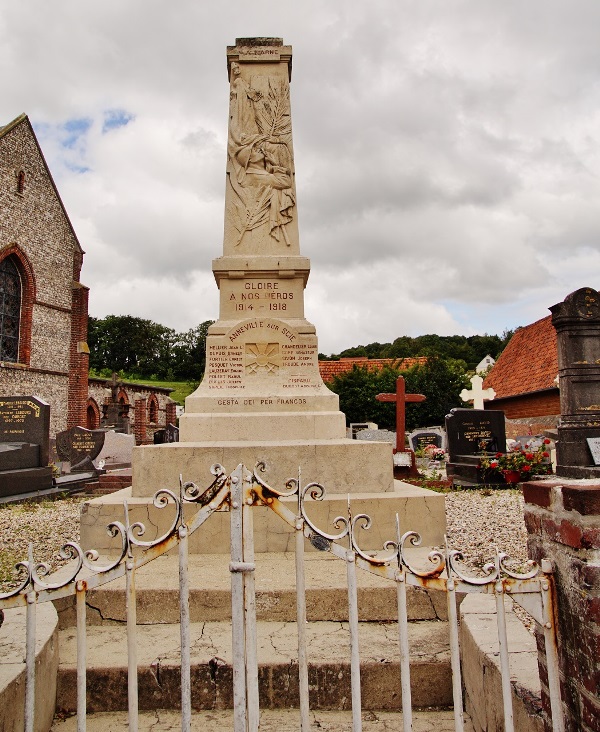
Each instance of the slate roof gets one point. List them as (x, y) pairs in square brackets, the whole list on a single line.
[(329, 369), (529, 362)]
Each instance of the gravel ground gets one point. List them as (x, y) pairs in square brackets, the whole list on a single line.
[(478, 521)]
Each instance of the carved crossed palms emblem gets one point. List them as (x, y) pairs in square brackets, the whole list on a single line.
[(262, 357)]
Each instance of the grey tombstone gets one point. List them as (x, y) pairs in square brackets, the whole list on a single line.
[(531, 442), (594, 445), (172, 433), (24, 445), (117, 450), (472, 432), (419, 439), (167, 435), (80, 447), (377, 436)]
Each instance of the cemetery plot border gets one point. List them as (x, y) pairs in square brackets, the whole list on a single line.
[(238, 493)]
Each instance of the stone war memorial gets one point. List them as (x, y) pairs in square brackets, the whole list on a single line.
[(262, 397)]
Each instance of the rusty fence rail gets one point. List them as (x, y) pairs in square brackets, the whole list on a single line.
[(238, 492)]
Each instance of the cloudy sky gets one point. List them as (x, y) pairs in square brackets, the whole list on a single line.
[(447, 152)]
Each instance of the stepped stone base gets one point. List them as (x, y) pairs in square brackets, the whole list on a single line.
[(277, 646), (157, 590), (418, 510), (341, 466)]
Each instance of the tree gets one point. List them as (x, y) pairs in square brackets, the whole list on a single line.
[(144, 349), (189, 353), (441, 381)]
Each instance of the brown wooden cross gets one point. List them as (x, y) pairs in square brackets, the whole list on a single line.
[(400, 397)]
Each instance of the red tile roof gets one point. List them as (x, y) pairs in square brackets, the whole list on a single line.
[(528, 363), (329, 369)]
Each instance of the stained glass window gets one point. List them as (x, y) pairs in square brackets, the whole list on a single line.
[(10, 310)]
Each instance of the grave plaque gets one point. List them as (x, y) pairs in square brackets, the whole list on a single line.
[(24, 445), (420, 439), (471, 432), (26, 419), (79, 447)]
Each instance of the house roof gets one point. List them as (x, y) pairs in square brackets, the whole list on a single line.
[(529, 362), (23, 118), (329, 369)]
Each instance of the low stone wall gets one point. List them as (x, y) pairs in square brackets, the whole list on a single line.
[(481, 668), (12, 668)]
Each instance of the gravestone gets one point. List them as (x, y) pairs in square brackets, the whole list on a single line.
[(80, 447), (419, 439), (164, 436), (472, 432), (404, 460), (594, 445), (577, 324), (24, 445), (477, 394), (531, 442), (117, 451)]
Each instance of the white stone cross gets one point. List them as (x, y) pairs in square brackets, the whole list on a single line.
[(477, 394)]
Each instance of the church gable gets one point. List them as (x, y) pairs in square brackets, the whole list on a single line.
[(43, 326)]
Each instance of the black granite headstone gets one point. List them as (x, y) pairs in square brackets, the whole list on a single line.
[(79, 447), (420, 439), (26, 419), (472, 432), (24, 445)]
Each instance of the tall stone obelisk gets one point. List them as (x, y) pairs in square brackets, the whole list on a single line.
[(262, 397), (262, 377)]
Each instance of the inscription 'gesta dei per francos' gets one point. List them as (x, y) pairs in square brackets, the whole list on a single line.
[(267, 296), (264, 349)]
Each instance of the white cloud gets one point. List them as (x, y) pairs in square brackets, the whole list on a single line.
[(447, 155)]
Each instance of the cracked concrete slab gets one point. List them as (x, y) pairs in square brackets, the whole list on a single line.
[(418, 510), (210, 592), (270, 721)]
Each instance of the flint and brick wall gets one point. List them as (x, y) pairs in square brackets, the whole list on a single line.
[(135, 393), (35, 229), (563, 525)]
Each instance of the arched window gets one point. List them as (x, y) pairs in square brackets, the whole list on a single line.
[(93, 415), (10, 310), (153, 410)]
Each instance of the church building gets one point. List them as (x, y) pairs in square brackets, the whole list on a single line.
[(43, 305)]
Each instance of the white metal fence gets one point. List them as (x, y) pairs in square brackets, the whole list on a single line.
[(239, 492)]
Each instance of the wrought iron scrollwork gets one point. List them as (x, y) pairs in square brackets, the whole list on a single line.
[(36, 575), (441, 561)]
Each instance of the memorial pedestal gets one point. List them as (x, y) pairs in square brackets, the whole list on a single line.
[(262, 398)]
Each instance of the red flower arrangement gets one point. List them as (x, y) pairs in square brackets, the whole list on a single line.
[(519, 463)]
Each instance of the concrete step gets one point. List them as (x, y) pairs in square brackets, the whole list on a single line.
[(211, 658), (271, 720), (157, 588)]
